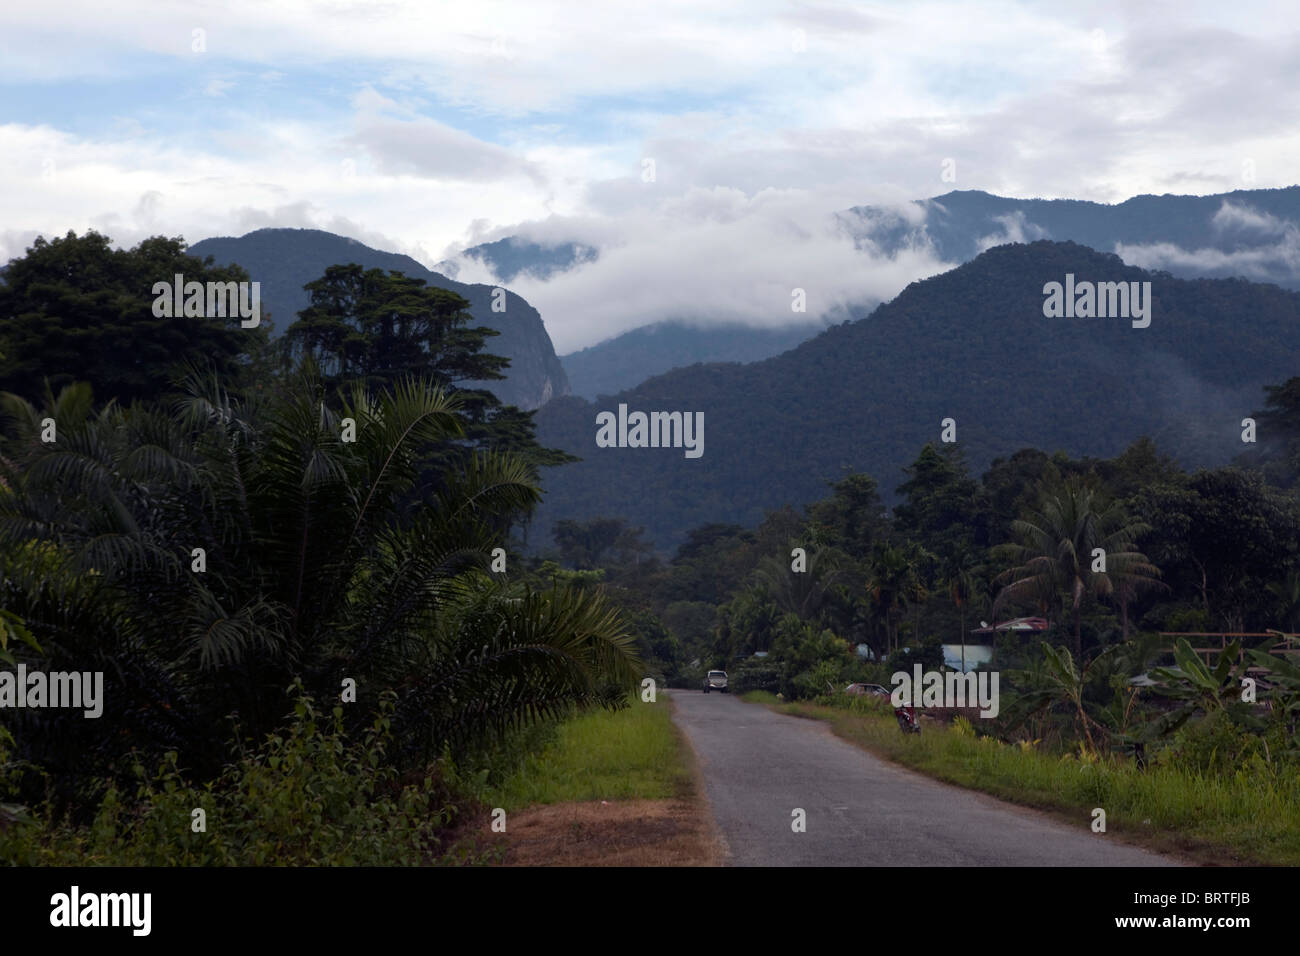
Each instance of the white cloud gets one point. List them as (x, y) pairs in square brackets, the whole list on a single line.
[(1268, 248), (707, 255), (218, 87), (1241, 217), (1015, 228), (404, 144), (1277, 260), (423, 128)]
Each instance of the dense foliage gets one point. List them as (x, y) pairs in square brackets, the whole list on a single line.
[(310, 795), (847, 590), (971, 344), (234, 547), (223, 556), (77, 310)]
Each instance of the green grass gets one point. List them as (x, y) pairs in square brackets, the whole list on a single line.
[(1252, 816), (634, 753)]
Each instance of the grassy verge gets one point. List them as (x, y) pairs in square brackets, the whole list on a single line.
[(1252, 816), (634, 753), (611, 789)]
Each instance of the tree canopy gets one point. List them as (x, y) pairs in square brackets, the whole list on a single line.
[(74, 309)]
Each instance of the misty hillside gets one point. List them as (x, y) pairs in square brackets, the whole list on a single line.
[(629, 359), (512, 256), (971, 344), (1252, 233), (284, 260)]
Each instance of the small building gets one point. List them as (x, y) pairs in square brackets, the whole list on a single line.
[(978, 652)]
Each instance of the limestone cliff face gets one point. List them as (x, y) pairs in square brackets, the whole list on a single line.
[(535, 373), (284, 260)]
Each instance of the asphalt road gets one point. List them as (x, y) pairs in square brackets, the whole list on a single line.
[(758, 766)]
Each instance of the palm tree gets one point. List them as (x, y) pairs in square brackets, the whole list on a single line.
[(963, 586), (893, 582), (802, 593), (1057, 680), (1053, 553), (1131, 574), (321, 560)]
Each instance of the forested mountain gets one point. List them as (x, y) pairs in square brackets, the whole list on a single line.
[(284, 260), (972, 344), (1248, 233), (629, 359), (1252, 233), (512, 256)]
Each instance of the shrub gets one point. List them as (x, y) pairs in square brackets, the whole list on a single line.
[(1213, 744), (822, 680), (755, 674), (307, 796)]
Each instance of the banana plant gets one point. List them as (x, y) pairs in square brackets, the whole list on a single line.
[(1124, 715), (1284, 676), (1058, 681), (1198, 687)]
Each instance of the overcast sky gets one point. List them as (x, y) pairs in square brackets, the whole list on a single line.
[(426, 127)]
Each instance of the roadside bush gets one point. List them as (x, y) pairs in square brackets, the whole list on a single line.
[(690, 677), (306, 796), (498, 759), (809, 658), (823, 679), (869, 672), (1213, 744), (324, 561), (755, 674)]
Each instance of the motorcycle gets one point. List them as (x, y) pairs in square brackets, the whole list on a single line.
[(908, 722)]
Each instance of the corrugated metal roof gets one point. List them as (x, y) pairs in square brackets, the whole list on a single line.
[(1026, 624)]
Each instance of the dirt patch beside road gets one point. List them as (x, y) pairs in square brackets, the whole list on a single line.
[(613, 833)]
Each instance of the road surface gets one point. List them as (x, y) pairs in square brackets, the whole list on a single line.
[(758, 766)]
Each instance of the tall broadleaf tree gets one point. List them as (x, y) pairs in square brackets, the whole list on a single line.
[(894, 582), (376, 328), (74, 309), (1278, 423)]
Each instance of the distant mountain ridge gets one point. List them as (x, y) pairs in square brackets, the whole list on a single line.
[(512, 256), (1252, 233), (970, 344), (628, 359), (284, 260)]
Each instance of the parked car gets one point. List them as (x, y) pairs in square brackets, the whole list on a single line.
[(716, 680), (860, 690)]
